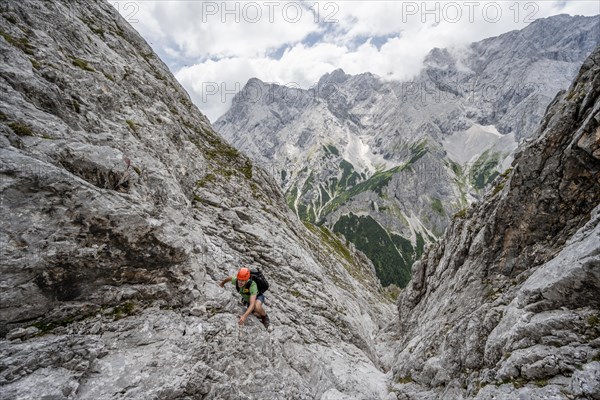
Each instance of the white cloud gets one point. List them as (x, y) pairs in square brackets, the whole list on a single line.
[(300, 66), (216, 29), (311, 38)]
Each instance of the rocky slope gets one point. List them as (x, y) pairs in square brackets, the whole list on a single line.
[(393, 161), (506, 305), (122, 209)]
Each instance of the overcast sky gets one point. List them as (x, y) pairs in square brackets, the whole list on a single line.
[(214, 47)]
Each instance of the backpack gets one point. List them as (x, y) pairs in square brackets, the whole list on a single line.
[(257, 276)]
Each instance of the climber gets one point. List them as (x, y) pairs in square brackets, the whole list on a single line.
[(251, 296)]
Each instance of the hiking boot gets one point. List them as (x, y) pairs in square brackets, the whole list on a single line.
[(265, 321)]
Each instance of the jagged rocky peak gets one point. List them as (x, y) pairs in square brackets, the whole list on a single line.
[(356, 87), (253, 90), (124, 210), (337, 76), (507, 304), (285, 101), (439, 58), (254, 81)]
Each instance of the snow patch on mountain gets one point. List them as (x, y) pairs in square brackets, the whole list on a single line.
[(465, 146), (416, 226), (360, 155), (506, 145)]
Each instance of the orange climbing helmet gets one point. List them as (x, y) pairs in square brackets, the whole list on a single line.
[(243, 274)]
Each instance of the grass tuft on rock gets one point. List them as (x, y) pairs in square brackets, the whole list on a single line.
[(21, 43), (21, 129), (78, 62)]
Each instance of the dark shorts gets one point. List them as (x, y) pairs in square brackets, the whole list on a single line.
[(260, 297)]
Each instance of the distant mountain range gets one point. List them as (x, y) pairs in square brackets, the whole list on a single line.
[(387, 164)]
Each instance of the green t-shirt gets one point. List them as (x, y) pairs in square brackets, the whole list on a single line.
[(245, 291)]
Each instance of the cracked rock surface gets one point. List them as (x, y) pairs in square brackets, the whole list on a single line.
[(507, 305), (124, 211)]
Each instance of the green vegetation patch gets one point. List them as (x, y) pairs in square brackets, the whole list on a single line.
[(420, 246), (324, 195), (98, 31), (20, 43), (506, 173), (76, 106), (184, 100), (246, 169), (456, 168), (336, 243), (108, 76), (436, 205), (132, 125), (290, 197), (504, 176), (406, 379), (117, 312), (208, 178), (147, 56), (375, 183), (460, 214), (46, 327), (92, 25), (331, 149), (498, 188), (223, 151), (370, 238), (11, 19), (333, 242), (78, 62), (122, 311), (307, 187), (484, 169), (418, 150), (306, 212), (349, 176), (35, 64), (330, 240), (225, 158), (21, 129), (409, 253)]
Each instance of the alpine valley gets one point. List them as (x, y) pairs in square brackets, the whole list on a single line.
[(388, 164)]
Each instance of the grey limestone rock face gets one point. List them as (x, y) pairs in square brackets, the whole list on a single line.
[(125, 209), (122, 210), (506, 304)]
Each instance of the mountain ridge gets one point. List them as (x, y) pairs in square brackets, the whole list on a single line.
[(352, 144)]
